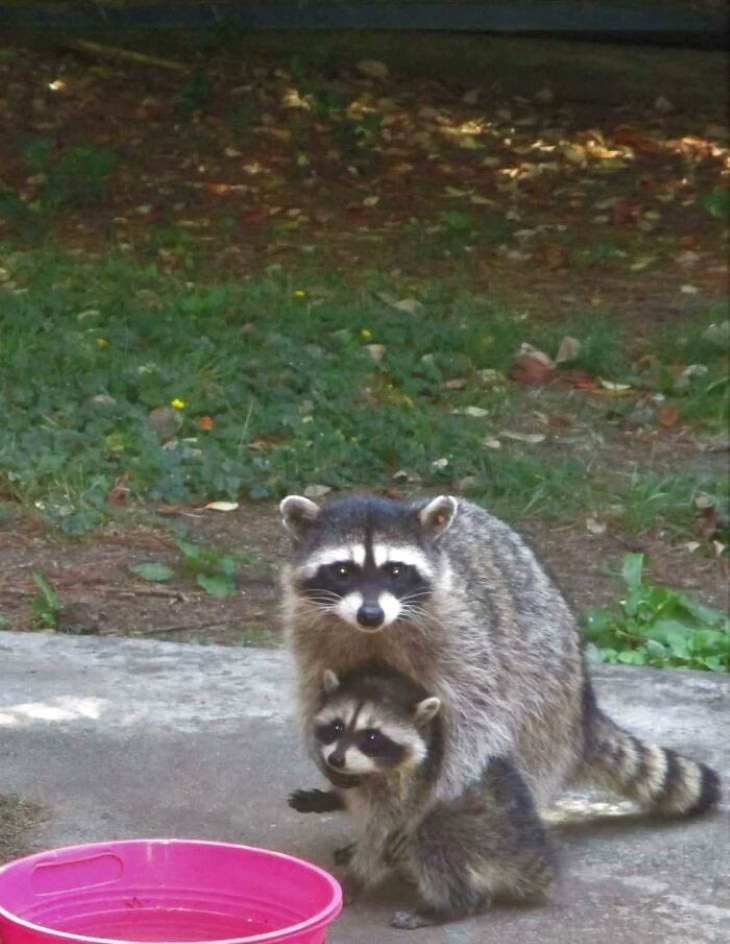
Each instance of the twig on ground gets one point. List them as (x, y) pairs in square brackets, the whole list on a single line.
[(125, 55), (177, 629), (148, 592)]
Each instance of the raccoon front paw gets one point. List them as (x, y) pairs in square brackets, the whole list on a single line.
[(343, 855), (409, 920), (303, 800), (312, 801)]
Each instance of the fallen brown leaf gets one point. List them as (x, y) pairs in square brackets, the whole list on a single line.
[(630, 137), (580, 379), (533, 366), (117, 494), (555, 257), (667, 415)]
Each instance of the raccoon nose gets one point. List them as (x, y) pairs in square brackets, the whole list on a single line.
[(370, 614), (336, 760)]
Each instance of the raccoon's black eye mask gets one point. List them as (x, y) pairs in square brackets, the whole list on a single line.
[(342, 571), (327, 733)]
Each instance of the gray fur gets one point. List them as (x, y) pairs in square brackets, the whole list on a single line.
[(493, 639), (458, 854)]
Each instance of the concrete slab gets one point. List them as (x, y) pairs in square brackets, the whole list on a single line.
[(123, 738)]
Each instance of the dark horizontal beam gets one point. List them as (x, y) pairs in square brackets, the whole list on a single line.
[(530, 15)]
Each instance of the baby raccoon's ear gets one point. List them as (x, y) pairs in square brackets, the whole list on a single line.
[(438, 514), (330, 681), (425, 710), (298, 513)]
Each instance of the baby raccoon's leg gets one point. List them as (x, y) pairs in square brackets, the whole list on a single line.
[(323, 801), (447, 891), (316, 801), (366, 865), (490, 841)]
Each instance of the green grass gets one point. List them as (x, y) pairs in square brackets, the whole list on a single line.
[(72, 175), (657, 626), (46, 605), (269, 385), (666, 501), (286, 379)]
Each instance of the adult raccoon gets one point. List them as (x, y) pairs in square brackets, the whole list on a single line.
[(452, 597)]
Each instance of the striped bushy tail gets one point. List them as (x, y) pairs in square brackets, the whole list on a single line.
[(658, 779)]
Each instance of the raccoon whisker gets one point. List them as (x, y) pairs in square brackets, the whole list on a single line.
[(323, 596), (316, 618), (413, 606), (415, 595), (419, 613), (418, 622), (320, 616), (324, 601)]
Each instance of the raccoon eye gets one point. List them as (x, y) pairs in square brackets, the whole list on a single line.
[(396, 571), (342, 571), (327, 733), (373, 738)]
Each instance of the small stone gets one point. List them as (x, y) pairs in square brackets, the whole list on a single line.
[(376, 352), (545, 96), (372, 68), (718, 333), (100, 400), (165, 421)]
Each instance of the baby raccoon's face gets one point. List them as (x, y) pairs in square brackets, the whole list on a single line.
[(361, 733), (355, 739)]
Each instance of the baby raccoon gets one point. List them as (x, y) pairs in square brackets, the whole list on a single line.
[(378, 740), (453, 597)]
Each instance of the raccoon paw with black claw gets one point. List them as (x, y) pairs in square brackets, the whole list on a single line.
[(315, 801), (343, 855), (303, 801)]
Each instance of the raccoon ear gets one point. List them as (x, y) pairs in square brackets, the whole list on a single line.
[(330, 681), (298, 513), (426, 709), (438, 514)]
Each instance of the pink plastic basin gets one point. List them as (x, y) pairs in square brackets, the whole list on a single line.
[(170, 890)]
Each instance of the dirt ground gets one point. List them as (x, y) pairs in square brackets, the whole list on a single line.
[(100, 595), (18, 818)]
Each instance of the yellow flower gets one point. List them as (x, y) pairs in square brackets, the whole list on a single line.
[(101, 342), (366, 334), (177, 404), (300, 293)]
